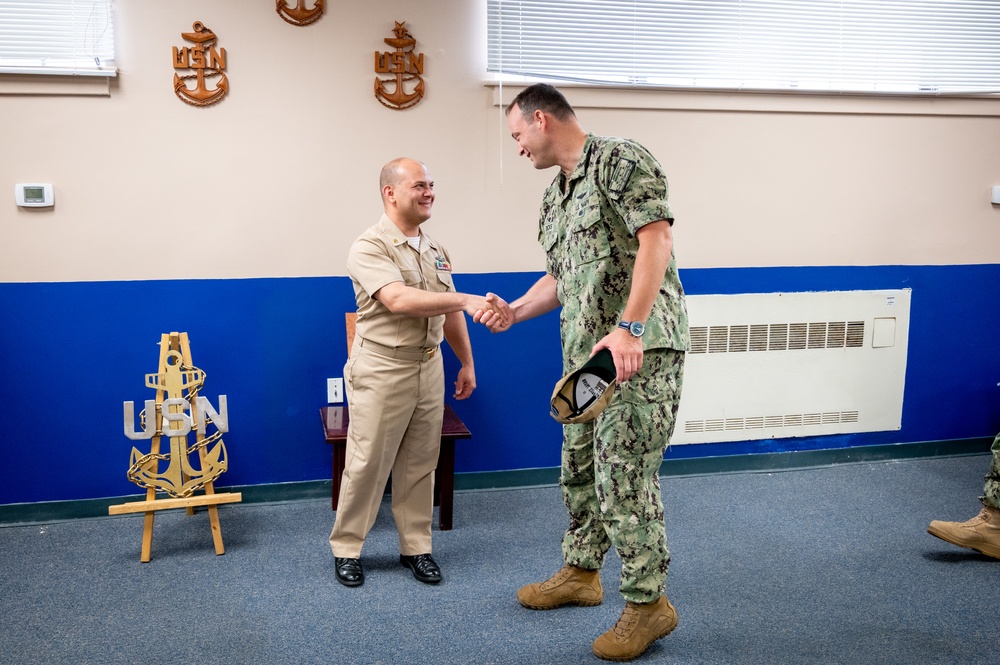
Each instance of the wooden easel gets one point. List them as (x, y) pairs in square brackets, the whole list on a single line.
[(172, 344)]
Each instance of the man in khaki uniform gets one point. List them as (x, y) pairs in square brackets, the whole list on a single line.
[(395, 377)]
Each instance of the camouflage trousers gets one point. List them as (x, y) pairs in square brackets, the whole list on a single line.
[(610, 478), (991, 490)]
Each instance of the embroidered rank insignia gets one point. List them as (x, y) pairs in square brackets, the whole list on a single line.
[(621, 175), (442, 264)]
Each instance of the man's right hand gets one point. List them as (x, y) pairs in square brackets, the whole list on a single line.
[(495, 315)]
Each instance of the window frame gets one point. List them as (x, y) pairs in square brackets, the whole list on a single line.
[(537, 48), (57, 38)]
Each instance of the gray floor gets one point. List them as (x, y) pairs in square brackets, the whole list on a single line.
[(829, 565)]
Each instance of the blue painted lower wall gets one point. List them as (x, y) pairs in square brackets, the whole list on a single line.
[(71, 353)]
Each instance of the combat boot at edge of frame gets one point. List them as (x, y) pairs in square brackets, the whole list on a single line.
[(981, 533)]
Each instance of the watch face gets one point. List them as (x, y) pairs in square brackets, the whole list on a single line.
[(637, 328)]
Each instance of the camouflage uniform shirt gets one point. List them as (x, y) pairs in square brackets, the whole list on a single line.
[(587, 227)]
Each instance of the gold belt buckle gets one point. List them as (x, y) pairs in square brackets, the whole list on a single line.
[(429, 353)]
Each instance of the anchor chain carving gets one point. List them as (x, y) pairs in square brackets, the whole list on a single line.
[(405, 66), (181, 384), (299, 15), (207, 61)]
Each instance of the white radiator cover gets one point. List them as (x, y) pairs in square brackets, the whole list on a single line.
[(774, 365)]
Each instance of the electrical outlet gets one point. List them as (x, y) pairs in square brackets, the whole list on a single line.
[(334, 391)]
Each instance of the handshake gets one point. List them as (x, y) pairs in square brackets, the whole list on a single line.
[(492, 311)]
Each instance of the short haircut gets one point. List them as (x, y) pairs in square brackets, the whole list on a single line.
[(542, 97)]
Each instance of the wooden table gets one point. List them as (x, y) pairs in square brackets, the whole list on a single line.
[(335, 420)]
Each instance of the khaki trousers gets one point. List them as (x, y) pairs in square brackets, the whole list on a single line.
[(396, 411)]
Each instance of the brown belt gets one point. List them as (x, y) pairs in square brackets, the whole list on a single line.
[(400, 352)]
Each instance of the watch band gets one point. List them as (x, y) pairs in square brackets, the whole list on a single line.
[(634, 328)]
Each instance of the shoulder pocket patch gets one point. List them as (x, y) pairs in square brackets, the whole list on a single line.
[(620, 176)]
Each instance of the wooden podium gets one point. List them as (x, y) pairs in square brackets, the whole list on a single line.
[(176, 378)]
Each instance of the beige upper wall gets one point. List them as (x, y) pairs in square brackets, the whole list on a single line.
[(281, 176)]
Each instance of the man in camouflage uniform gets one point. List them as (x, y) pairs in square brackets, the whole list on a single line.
[(605, 226), (982, 532)]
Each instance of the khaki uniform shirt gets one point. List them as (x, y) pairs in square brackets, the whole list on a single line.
[(587, 228), (382, 255)]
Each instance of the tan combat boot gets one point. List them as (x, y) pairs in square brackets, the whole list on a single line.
[(640, 625), (570, 586), (981, 533)]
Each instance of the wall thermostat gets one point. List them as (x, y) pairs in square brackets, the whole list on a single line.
[(33, 195)]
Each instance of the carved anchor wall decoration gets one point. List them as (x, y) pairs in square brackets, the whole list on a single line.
[(207, 61), (299, 15), (405, 67)]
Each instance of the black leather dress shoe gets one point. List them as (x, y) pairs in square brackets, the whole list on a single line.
[(349, 572), (423, 566)]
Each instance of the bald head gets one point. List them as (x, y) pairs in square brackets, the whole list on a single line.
[(407, 193), (396, 171)]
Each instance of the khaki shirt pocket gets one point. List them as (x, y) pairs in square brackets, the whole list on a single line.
[(411, 277), (445, 278)]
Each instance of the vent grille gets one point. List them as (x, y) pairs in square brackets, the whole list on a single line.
[(841, 367), (777, 337), (770, 422)]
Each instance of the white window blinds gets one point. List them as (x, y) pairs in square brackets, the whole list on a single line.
[(887, 46), (66, 37)]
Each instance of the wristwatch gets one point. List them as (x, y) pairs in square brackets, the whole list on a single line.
[(634, 328)]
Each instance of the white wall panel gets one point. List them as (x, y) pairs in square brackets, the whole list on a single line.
[(148, 187)]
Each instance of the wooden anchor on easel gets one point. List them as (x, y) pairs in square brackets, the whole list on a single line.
[(177, 385)]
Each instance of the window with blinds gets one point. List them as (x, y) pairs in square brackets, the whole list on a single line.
[(935, 47), (62, 37)]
